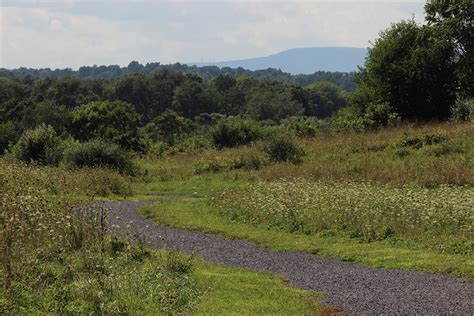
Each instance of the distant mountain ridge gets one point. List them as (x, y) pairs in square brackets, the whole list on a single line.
[(302, 60), (299, 66), (111, 72)]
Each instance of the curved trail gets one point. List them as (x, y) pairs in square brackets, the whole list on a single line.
[(353, 288)]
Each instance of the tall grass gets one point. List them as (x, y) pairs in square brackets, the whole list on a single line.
[(56, 256), (379, 155), (440, 218)]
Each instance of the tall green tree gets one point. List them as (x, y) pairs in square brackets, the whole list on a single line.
[(67, 91), (13, 96), (412, 69), (193, 98), (325, 99), (168, 127), (135, 90), (457, 19), (48, 113), (272, 103), (114, 121)]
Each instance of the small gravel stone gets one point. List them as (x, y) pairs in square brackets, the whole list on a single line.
[(355, 289)]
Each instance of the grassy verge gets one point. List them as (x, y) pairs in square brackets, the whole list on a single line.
[(232, 291), (55, 257), (195, 213)]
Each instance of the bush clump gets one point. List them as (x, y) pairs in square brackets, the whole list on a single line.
[(463, 110), (248, 162), (98, 153), (234, 132), (374, 115), (282, 147), (418, 142), (193, 144), (210, 165), (301, 126), (41, 145)]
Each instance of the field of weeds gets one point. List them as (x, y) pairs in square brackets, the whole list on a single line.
[(405, 190), (440, 218), (56, 257), (426, 155)]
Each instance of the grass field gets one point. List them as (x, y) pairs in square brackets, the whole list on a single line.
[(55, 260), (394, 198), (236, 291), (425, 155), (398, 198)]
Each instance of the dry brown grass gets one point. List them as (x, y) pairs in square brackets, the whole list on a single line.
[(372, 155), (378, 156)]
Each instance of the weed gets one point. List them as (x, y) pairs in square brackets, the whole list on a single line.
[(282, 147), (363, 210)]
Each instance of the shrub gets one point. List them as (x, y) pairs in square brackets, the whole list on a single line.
[(209, 166), (98, 153), (234, 132), (348, 118), (446, 149), (169, 127), (41, 145), (282, 147), (248, 162), (374, 115), (432, 139), (413, 142), (8, 135), (193, 144), (463, 110), (157, 150), (301, 126), (114, 121), (380, 114), (417, 142)]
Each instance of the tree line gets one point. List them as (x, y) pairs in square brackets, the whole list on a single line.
[(343, 79), (412, 72), (420, 72), (88, 108)]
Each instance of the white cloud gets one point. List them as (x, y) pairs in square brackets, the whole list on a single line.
[(67, 34), (319, 23), (55, 39)]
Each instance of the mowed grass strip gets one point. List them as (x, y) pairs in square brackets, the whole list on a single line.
[(197, 214), (233, 291)]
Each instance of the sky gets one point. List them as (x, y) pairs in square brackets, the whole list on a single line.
[(73, 33)]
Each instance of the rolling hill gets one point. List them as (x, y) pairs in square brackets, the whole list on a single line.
[(302, 60)]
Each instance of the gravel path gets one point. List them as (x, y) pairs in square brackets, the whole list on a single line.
[(353, 288)]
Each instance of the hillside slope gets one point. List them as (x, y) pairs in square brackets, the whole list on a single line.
[(302, 60)]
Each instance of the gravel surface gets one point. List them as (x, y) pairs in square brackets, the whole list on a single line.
[(351, 287)]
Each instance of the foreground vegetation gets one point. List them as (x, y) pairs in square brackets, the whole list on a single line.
[(441, 217), (354, 196), (392, 198), (58, 258)]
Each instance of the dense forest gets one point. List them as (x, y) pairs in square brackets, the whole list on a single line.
[(413, 72), (207, 73), (91, 106)]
